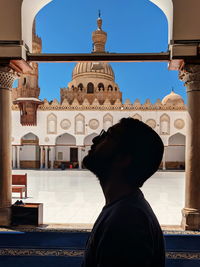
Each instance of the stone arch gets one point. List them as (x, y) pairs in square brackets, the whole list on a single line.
[(79, 124), (175, 152), (29, 138), (107, 121), (80, 86), (65, 150), (137, 117), (29, 154), (65, 139), (51, 124), (177, 139), (110, 88), (164, 124), (88, 139), (101, 86), (90, 88)]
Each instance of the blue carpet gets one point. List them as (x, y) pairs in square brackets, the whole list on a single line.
[(62, 248)]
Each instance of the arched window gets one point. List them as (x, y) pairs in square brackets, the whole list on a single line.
[(90, 88), (164, 124), (110, 88), (24, 81), (116, 89), (80, 86), (79, 124), (100, 86), (72, 87), (51, 124)]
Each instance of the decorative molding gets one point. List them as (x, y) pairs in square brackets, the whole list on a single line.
[(93, 124), (65, 124), (7, 78), (116, 106), (179, 124)]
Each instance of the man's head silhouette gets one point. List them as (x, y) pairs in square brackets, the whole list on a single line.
[(130, 151)]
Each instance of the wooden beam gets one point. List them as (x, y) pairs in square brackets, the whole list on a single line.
[(104, 57)]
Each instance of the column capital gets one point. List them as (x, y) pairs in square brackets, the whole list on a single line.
[(7, 77), (191, 76)]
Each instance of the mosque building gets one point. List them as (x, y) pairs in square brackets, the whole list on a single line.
[(59, 134)]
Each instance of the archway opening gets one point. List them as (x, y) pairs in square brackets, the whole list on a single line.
[(66, 152), (175, 152), (29, 154)]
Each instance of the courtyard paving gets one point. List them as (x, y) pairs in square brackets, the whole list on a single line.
[(75, 196)]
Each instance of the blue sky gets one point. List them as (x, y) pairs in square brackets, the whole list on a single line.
[(132, 26)]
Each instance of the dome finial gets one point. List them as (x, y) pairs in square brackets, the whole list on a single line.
[(99, 21), (99, 13), (99, 37), (173, 89)]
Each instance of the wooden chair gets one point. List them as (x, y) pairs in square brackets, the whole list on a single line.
[(19, 184)]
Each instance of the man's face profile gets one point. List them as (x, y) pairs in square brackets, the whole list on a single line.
[(103, 149)]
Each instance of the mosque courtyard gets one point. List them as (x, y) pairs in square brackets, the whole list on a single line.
[(74, 197)]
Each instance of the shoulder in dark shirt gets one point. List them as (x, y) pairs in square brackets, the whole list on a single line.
[(126, 233)]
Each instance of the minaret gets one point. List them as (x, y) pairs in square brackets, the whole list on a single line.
[(99, 37), (26, 95)]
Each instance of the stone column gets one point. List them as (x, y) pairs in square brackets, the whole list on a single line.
[(80, 157), (14, 156), (164, 159), (46, 157), (6, 81), (191, 211), (52, 156), (18, 158), (41, 157)]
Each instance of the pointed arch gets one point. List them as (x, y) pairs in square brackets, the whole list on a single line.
[(88, 139), (80, 124), (90, 88), (29, 154), (65, 139), (51, 124), (30, 138), (177, 139), (175, 152)]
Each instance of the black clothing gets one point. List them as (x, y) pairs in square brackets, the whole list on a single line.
[(126, 234)]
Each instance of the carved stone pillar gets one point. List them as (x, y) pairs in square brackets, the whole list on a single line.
[(41, 157), (164, 159), (80, 157), (52, 156), (46, 157), (6, 81), (191, 212)]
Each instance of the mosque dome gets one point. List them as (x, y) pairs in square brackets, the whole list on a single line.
[(173, 99), (92, 69)]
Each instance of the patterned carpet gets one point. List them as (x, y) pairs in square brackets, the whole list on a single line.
[(61, 247)]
